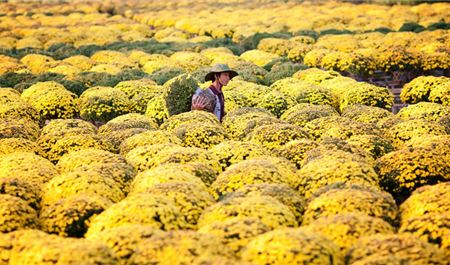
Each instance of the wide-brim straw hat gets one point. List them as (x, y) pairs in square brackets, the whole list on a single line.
[(220, 68)]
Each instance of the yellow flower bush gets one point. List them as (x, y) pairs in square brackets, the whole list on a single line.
[(368, 114), (314, 57), (276, 102), (345, 128), (240, 122), (146, 209), (58, 128), (259, 57), (380, 260), (110, 69), (102, 162), (292, 246), (441, 94), (155, 63), (194, 116), (179, 247), (338, 61), (253, 92), (303, 113), (27, 167), (141, 159), (199, 169), (374, 145), (367, 94), (440, 142), (190, 61), (69, 71), (345, 229), (269, 210), (22, 189), (109, 57), (429, 199), (395, 58), (12, 105), (82, 62), (348, 200), (115, 138), (139, 92), (150, 178), (282, 192), (124, 239), (340, 85), (315, 75), (404, 170), (295, 151), (231, 152), (275, 135), (235, 100), (404, 131), (433, 228), (157, 109), (128, 121), (277, 46), (248, 71), (410, 249), (51, 100), (333, 148), (15, 214), (103, 103), (236, 232), (317, 127), (305, 92), (9, 64), (77, 183), (19, 128), (192, 199), (298, 52), (419, 88), (329, 169), (68, 143), (281, 68), (38, 63), (254, 171), (70, 217), (424, 110), (151, 137), (434, 58), (201, 135), (34, 247)]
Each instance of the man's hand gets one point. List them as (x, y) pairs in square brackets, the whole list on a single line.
[(199, 103)]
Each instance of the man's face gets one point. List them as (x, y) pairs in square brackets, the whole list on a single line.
[(224, 78)]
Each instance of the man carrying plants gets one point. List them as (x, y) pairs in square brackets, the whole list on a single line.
[(212, 99)]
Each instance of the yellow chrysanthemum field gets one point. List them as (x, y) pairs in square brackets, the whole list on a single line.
[(334, 148)]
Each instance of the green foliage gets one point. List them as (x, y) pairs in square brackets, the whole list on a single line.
[(179, 91)]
